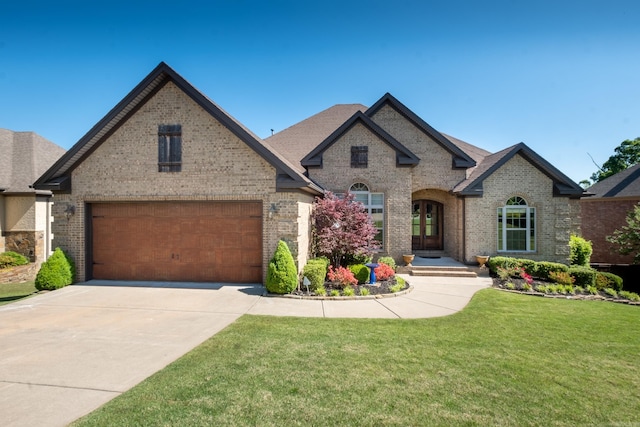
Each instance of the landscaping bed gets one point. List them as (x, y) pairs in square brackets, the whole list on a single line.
[(553, 290), (381, 288)]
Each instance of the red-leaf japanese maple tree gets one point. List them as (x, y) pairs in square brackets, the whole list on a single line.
[(341, 227)]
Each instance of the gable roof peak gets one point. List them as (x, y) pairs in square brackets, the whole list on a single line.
[(404, 157), (460, 158), (59, 175)]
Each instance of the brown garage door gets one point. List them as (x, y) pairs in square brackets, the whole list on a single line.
[(186, 241)]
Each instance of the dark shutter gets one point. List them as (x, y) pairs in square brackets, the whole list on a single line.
[(169, 148), (359, 156)]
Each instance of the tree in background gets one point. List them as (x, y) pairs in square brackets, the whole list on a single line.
[(627, 238), (627, 154), (342, 227)]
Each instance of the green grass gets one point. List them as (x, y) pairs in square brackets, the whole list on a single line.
[(505, 360), (10, 292)]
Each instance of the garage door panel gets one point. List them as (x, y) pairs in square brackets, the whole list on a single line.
[(186, 241)]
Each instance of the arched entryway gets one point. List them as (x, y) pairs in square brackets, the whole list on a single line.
[(427, 217)]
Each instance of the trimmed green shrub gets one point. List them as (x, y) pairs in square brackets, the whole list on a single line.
[(56, 272), (584, 276), (543, 268), (282, 275), (316, 272), (608, 280), (322, 259), (12, 259), (581, 251), (388, 261), (360, 272), (500, 261), (529, 265)]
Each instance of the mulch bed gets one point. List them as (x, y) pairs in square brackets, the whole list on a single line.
[(380, 288), (519, 288)]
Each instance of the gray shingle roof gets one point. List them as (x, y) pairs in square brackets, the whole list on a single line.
[(622, 184), (298, 140), (25, 156)]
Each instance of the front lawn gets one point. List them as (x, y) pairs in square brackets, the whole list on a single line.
[(10, 292), (506, 359)]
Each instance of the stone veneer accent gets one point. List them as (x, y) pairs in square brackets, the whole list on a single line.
[(216, 166), (19, 274), (27, 243)]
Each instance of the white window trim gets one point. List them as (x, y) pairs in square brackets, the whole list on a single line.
[(529, 210), (369, 206)]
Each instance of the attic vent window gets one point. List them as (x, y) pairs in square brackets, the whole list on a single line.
[(169, 148), (359, 156)]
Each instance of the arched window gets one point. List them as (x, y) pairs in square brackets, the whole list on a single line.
[(516, 226), (374, 204)]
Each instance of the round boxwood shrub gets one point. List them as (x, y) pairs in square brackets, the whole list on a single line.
[(282, 275), (56, 272), (360, 272), (543, 268), (316, 272), (585, 276), (608, 280), (496, 262)]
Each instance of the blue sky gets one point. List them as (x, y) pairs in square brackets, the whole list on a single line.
[(561, 76)]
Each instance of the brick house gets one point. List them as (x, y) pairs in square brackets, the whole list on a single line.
[(606, 210), (25, 212), (168, 186)]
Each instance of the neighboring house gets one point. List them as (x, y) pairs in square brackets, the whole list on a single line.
[(168, 186), (25, 213), (606, 211)]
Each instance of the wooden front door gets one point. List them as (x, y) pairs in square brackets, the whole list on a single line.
[(426, 225)]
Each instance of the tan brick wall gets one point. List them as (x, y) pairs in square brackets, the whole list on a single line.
[(556, 217), (381, 176), (216, 165), (434, 170), (600, 218)]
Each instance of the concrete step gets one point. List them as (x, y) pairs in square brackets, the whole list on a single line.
[(442, 271)]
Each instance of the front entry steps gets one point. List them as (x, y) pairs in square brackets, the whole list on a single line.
[(441, 271), (441, 266)]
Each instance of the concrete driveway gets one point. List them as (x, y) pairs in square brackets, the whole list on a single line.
[(65, 353)]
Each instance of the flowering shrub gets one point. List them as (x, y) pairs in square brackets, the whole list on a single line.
[(384, 272), (526, 276), (342, 276)]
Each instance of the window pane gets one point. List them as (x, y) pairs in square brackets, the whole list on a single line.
[(377, 199), (362, 198), (378, 217), (516, 240)]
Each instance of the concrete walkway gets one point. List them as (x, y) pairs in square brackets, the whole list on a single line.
[(65, 353)]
